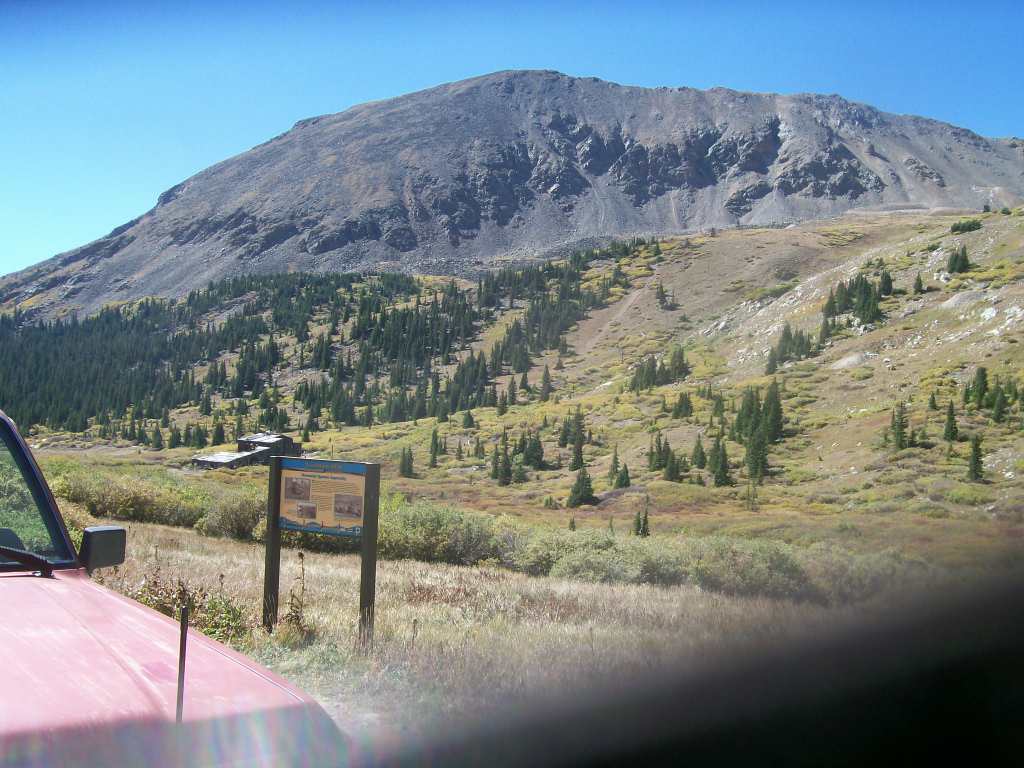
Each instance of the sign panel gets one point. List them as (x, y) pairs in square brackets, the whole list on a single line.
[(339, 498), (323, 496)]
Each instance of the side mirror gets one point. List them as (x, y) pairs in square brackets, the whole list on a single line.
[(103, 546)]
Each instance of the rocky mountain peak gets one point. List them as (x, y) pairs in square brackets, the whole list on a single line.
[(521, 164)]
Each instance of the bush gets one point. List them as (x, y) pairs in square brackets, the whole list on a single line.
[(965, 225), (595, 566), (543, 549), (235, 516), (216, 616), (970, 495), (658, 563), (128, 498), (748, 567), (733, 565), (77, 519), (436, 534), (844, 577)]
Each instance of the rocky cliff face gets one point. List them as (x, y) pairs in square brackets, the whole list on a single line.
[(520, 164)]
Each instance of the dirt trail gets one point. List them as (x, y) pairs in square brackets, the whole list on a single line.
[(588, 341)]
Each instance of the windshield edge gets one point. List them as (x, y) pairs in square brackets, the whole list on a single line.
[(40, 492)]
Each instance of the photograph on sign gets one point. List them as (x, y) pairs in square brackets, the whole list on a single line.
[(322, 501), (348, 506), (296, 488)]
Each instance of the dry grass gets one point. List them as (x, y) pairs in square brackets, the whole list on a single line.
[(457, 642)]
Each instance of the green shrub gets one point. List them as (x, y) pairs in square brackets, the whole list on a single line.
[(842, 576), (970, 495), (77, 519), (223, 619), (217, 616), (543, 549), (595, 566), (128, 498), (436, 534), (749, 567), (658, 563), (965, 225), (733, 565), (234, 516)]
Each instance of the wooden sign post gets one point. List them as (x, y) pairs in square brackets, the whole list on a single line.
[(333, 498)]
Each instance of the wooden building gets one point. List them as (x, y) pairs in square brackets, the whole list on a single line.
[(252, 449)]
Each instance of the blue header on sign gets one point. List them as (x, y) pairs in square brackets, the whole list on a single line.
[(323, 465)]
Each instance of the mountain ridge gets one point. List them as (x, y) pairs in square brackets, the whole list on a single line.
[(520, 164)]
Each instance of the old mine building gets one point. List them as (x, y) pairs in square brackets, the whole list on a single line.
[(252, 449)]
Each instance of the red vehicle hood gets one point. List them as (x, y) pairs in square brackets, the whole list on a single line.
[(90, 677)]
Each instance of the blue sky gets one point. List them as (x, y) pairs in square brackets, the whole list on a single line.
[(105, 105)]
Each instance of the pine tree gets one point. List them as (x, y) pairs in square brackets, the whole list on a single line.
[(495, 463), (645, 523), (572, 523), (975, 470), (683, 408), (771, 414), (613, 468), (637, 522), (918, 285), (622, 478), (467, 419), (958, 261), (898, 427), (505, 467), (933, 404), (721, 471), (699, 458), (435, 447), (885, 283), (979, 387), (218, 434), (405, 467), (757, 456), (949, 432), (824, 332), (999, 405), (157, 441), (577, 453), (545, 385), (582, 491), (174, 441), (670, 471)]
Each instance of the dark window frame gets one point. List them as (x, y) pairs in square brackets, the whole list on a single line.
[(41, 494)]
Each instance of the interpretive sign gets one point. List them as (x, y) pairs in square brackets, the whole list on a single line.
[(323, 496), (336, 498)]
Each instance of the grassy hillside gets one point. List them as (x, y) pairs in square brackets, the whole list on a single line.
[(842, 515), (831, 479)]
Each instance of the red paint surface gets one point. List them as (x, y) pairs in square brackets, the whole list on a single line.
[(89, 673)]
